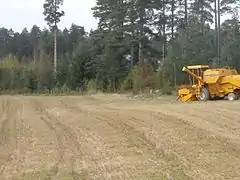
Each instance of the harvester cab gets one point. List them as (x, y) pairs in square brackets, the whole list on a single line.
[(207, 83), (195, 73)]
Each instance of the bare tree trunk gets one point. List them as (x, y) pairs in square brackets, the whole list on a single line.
[(140, 45), (141, 31), (55, 40), (34, 55), (132, 55), (175, 74), (132, 43), (201, 18), (186, 16), (216, 29), (164, 30), (163, 50), (164, 23), (55, 49), (218, 32), (140, 53), (172, 18)]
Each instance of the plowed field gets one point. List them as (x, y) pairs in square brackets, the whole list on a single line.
[(114, 137)]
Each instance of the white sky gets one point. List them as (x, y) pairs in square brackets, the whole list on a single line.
[(17, 14)]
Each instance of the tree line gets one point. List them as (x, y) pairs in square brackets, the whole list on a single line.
[(138, 44)]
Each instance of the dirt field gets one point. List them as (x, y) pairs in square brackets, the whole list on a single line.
[(114, 137)]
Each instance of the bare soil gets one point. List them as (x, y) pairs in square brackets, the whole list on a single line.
[(114, 137)]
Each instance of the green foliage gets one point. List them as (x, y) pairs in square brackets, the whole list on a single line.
[(140, 77), (92, 86), (10, 62), (52, 13)]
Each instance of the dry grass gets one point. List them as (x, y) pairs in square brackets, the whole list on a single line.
[(115, 137)]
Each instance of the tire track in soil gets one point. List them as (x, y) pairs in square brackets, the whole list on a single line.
[(226, 145), (55, 168), (198, 120), (102, 167), (213, 127), (125, 128), (140, 140), (219, 144), (134, 137), (7, 131), (226, 142), (64, 135), (4, 125), (160, 116)]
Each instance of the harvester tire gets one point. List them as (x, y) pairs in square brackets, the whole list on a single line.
[(204, 94), (232, 97)]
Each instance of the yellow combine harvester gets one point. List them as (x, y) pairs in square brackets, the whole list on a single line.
[(208, 83)]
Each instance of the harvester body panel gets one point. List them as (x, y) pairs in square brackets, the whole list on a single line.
[(230, 83)]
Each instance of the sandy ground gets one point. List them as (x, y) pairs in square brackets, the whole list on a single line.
[(114, 137)]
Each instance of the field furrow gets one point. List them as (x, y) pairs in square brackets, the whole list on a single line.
[(113, 137)]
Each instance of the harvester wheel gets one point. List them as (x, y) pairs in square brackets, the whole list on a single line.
[(232, 97), (204, 94)]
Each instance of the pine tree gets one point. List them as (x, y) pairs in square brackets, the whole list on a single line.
[(52, 15), (202, 12)]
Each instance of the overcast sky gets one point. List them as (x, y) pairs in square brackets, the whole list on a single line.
[(17, 14)]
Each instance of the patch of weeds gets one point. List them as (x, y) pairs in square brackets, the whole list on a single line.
[(41, 175), (174, 165), (156, 176), (179, 174)]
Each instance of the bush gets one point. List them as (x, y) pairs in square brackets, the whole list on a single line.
[(140, 77), (166, 89), (92, 86)]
